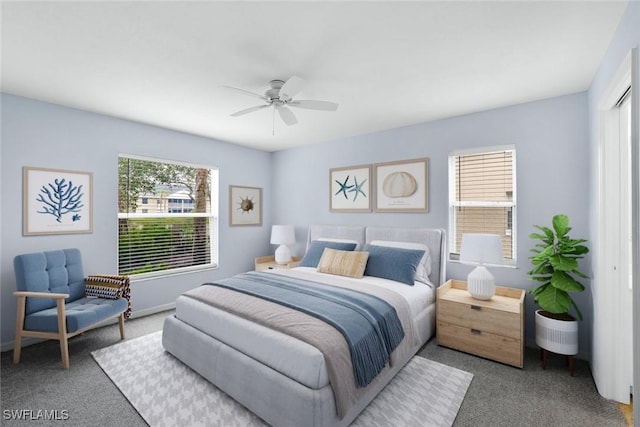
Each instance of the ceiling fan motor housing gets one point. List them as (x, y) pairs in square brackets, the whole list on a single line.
[(273, 94)]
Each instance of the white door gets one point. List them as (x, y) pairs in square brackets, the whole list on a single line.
[(612, 362)]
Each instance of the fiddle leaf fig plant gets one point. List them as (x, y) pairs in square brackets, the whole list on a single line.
[(555, 265)]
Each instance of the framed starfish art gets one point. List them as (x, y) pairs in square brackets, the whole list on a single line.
[(349, 189)]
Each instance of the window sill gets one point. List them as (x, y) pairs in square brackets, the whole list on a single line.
[(163, 274), (508, 264)]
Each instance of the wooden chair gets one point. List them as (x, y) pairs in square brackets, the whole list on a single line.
[(52, 301)]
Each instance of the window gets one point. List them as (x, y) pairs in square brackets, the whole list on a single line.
[(181, 232), (482, 197)]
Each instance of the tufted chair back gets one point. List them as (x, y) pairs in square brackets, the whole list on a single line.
[(53, 271)]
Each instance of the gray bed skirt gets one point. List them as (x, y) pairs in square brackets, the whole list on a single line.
[(277, 399)]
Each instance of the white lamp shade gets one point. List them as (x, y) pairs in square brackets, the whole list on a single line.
[(481, 249), (282, 235)]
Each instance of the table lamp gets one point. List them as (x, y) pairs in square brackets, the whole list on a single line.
[(282, 235), (481, 249)]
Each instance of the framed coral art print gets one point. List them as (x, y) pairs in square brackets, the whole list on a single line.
[(56, 201), (245, 205), (402, 186), (349, 189)]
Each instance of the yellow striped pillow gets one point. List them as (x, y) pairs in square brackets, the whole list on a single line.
[(343, 263)]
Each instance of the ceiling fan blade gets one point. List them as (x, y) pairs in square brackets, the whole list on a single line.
[(291, 87), (314, 105), (246, 92), (249, 110), (287, 115)]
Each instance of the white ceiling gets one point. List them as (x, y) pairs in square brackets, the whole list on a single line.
[(388, 64)]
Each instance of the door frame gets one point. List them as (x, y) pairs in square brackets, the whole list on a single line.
[(610, 375)]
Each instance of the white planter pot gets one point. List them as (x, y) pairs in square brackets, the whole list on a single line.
[(557, 336)]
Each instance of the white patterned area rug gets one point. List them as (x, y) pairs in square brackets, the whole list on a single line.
[(168, 393)]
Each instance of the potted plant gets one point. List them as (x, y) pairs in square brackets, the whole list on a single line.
[(555, 266)]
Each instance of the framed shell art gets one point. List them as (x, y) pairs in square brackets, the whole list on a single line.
[(245, 205), (402, 186), (349, 189), (56, 201)]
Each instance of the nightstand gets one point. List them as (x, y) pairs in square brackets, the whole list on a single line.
[(493, 329), (269, 263)]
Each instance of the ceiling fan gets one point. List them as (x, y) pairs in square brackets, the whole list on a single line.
[(280, 96)]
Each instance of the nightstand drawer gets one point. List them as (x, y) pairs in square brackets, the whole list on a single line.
[(480, 317), (475, 341)]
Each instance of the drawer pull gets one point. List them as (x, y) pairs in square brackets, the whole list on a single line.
[(476, 307), (476, 331)]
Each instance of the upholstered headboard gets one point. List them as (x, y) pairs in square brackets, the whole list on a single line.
[(433, 238), (346, 232)]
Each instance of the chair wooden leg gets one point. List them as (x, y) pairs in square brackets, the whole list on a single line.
[(17, 347), (64, 351), (62, 334), (121, 324)]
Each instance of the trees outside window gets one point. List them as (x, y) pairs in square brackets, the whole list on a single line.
[(180, 231)]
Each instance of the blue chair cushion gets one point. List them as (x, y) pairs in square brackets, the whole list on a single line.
[(81, 313), (53, 271)]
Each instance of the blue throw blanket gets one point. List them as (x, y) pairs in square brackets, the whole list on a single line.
[(369, 324)]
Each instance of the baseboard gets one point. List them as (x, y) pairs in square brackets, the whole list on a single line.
[(27, 341), (152, 310)]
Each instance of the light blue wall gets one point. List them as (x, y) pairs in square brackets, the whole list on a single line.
[(551, 139), (45, 135), (556, 143)]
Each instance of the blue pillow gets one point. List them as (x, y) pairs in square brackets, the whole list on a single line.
[(314, 253), (397, 264)]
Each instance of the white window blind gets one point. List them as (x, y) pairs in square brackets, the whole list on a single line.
[(482, 194), (166, 218)]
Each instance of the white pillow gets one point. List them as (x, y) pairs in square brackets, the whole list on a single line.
[(423, 269)]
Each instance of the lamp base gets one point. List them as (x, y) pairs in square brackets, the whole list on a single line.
[(481, 284), (283, 255)]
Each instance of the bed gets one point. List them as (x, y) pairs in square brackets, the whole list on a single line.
[(291, 380)]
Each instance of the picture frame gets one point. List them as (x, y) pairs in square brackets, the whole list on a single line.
[(350, 189), (56, 201), (402, 186), (245, 206)]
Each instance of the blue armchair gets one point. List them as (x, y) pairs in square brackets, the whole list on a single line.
[(52, 302)]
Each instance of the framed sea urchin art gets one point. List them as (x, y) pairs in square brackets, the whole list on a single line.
[(402, 186), (245, 205), (349, 189), (56, 201)]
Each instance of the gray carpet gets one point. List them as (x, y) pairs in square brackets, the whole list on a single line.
[(167, 393), (499, 395)]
